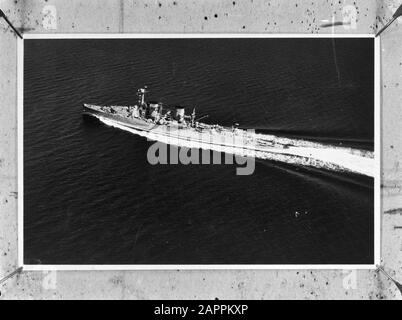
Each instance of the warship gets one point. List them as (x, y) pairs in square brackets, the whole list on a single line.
[(172, 124), (170, 121)]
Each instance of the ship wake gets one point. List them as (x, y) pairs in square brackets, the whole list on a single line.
[(275, 148)]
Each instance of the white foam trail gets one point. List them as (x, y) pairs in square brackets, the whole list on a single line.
[(180, 142), (300, 152)]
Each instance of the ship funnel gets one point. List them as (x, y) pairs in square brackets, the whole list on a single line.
[(180, 112)]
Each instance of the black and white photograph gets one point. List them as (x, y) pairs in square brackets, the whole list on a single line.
[(199, 152), (194, 156)]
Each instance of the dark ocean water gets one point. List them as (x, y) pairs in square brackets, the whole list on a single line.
[(91, 197)]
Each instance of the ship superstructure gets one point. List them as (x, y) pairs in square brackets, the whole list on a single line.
[(167, 120)]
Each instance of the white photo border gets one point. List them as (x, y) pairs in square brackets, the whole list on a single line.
[(61, 267)]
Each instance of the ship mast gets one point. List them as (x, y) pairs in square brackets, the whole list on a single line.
[(193, 117), (141, 95)]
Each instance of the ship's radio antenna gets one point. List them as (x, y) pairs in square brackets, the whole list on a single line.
[(203, 117)]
